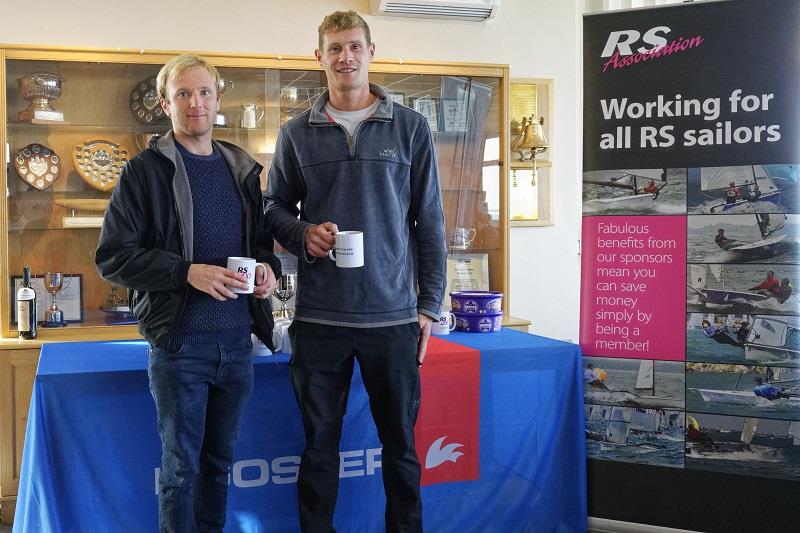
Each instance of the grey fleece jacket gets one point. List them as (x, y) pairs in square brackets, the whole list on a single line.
[(382, 181)]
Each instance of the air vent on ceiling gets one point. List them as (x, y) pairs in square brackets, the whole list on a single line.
[(474, 10)]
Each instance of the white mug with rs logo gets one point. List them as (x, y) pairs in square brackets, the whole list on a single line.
[(247, 267), (445, 324)]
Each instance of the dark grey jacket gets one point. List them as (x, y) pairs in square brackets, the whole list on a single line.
[(383, 181), (143, 246)]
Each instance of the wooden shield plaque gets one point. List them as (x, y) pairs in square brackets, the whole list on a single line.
[(37, 165), (100, 163)]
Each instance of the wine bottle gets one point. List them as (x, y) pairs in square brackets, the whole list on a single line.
[(26, 307)]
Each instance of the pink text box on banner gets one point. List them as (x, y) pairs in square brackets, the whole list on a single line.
[(633, 287)]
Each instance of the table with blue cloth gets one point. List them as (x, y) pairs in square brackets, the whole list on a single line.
[(500, 437)]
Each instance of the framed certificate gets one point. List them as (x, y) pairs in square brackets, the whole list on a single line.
[(69, 299), (464, 106), (426, 106), (467, 272), (454, 115)]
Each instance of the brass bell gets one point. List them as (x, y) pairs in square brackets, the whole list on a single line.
[(533, 139), (519, 132)]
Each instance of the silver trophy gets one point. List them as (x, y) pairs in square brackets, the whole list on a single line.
[(221, 118), (40, 88), (287, 286), (53, 316)]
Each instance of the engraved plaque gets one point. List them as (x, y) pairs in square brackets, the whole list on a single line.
[(144, 102), (100, 163), (37, 165)]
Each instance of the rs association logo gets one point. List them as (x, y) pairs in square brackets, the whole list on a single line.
[(437, 454), (619, 46)]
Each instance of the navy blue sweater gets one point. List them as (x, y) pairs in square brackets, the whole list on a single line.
[(218, 233)]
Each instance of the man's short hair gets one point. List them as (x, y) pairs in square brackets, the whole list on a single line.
[(341, 21), (177, 66)]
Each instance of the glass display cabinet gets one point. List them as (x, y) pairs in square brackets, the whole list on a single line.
[(71, 118)]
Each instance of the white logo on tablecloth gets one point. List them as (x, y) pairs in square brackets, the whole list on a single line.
[(437, 454), (284, 470)]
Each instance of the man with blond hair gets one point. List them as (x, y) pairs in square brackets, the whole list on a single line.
[(358, 161), (182, 207)]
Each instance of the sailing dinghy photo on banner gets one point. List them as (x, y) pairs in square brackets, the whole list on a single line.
[(643, 191), (743, 339), (690, 255), (743, 445), (634, 410), (751, 238)]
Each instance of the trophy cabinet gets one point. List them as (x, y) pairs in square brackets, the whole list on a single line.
[(71, 118)]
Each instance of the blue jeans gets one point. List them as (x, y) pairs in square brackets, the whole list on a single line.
[(200, 392)]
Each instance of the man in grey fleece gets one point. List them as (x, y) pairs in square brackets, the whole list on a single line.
[(357, 161)]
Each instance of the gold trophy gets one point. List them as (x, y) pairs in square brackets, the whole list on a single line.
[(53, 316), (40, 88)]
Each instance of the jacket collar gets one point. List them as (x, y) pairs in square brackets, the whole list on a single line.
[(239, 161), (384, 112)]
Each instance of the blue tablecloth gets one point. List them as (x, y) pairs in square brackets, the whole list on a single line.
[(91, 448)]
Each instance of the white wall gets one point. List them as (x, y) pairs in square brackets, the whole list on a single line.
[(537, 38)]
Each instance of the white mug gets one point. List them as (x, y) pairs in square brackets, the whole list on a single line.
[(246, 266), (445, 324), (349, 249)]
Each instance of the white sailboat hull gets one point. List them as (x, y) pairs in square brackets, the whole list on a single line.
[(758, 244), (628, 201), (745, 398), (629, 399), (762, 248), (634, 448), (760, 353)]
